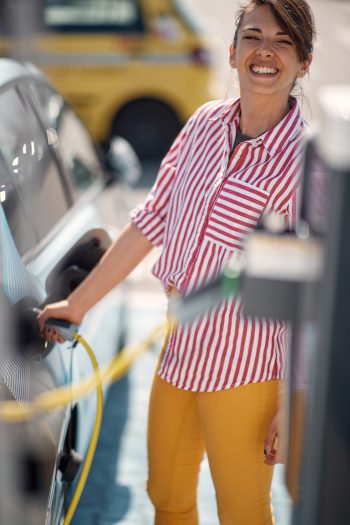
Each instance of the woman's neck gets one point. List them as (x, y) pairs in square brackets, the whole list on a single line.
[(258, 114)]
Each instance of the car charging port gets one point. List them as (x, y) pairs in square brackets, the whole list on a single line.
[(26, 337)]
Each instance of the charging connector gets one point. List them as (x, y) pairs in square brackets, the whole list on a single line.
[(66, 330)]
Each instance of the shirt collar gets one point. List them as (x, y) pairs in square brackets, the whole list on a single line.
[(275, 139), (230, 113)]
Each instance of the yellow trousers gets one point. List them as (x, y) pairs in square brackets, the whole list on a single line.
[(231, 426)]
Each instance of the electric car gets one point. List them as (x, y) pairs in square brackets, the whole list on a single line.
[(60, 207), (135, 68)]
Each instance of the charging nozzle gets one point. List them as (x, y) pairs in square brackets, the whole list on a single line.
[(67, 330), (205, 298)]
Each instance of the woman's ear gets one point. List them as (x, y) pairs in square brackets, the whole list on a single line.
[(232, 59), (304, 68)]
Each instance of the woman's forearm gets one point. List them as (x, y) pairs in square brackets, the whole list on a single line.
[(126, 252)]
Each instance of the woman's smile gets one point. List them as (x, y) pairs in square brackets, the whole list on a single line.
[(263, 70)]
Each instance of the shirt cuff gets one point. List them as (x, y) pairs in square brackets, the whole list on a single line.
[(150, 224)]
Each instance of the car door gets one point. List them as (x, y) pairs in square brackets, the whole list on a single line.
[(29, 176)]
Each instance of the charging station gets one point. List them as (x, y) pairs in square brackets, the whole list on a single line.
[(323, 479), (304, 278)]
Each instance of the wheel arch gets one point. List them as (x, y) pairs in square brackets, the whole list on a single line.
[(159, 105), (171, 104)]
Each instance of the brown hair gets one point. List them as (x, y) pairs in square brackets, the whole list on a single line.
[(293, 16)]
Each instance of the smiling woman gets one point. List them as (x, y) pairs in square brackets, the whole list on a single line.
[(219, 379)]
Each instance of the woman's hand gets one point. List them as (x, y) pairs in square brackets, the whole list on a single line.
[(274, 440), (61, 310)]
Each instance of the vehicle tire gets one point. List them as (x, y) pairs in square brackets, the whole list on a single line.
[(149, 125)]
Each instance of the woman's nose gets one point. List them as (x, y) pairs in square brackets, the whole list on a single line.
[(265, 49)]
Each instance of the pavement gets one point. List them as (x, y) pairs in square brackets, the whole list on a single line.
[(115, 490)]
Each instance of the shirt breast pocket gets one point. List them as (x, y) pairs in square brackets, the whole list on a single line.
[(235, 214)]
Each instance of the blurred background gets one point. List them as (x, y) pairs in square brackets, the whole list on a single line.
[(138, 69), (128, 67)]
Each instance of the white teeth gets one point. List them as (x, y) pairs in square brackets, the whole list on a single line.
[(264, 70)]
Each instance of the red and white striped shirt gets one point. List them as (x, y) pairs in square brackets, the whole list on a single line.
[(202, 206)]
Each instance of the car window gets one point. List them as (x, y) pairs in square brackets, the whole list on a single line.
[(92, 15), (33, 171), (66, 131), (20, 225)]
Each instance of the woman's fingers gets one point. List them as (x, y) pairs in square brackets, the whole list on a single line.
[(271, 436), (273, 449), (41, 319), (273, 457), (55, 310), (52, 334), (41, 324)]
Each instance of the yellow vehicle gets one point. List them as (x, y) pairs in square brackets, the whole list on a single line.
[(135, 68)]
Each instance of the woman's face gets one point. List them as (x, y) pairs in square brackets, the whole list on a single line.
[(265, 57)]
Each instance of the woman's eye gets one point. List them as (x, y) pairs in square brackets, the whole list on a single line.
[(285, 42), (250, 38)]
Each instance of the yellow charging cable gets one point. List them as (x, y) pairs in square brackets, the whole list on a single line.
[(112, 373), (94, 438), (12, 411)]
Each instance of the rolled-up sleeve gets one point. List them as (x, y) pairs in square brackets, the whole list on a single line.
[(150, 217)]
